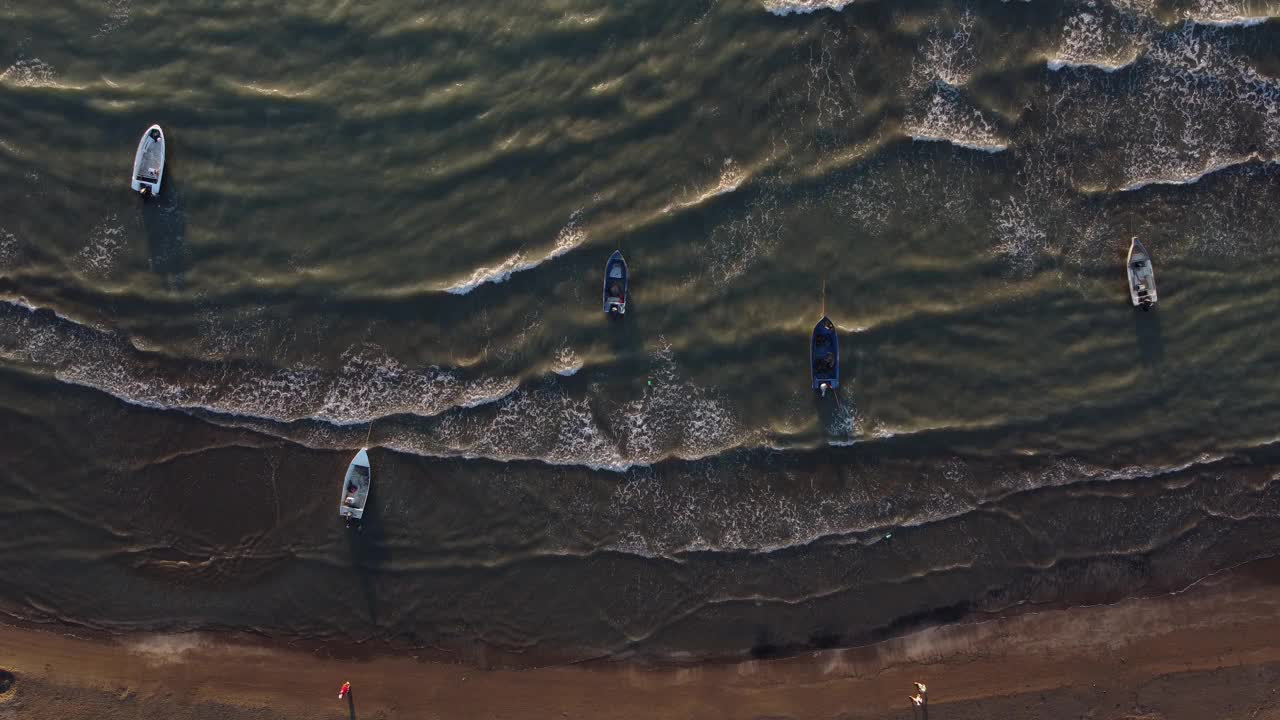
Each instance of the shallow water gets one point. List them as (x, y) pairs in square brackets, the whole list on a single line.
[(386, 223)]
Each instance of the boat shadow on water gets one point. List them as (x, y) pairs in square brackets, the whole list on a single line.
[(1149, 336), (368, 554), (834, 413), (165, 225), (625, 333)]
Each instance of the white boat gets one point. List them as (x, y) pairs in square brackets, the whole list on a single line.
[(355, 488), (1142, 276), (148, 163)]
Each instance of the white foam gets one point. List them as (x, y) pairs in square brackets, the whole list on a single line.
[(106, 243), (117, 16), (1225, 13), (1219, 97), (671, 418), (566, 362), (731, 178), (729, 508), (1232, 21), (1099, 39), (1022, 238), (581, 20), (946, 56), (868, 199), (1190, 177), (570, 236), (489, 390), (941, 113), (25, 304), (268, 91), (8, 248), (948, 118), (987, 147), (800, 7), (830, 101), (736, 244), (490, 418), (498, 274), (675, 414), (844, 424), (370, 384), (240, 334), (1059, 63), (30, 72)]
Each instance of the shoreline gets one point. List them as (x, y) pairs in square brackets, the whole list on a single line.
[(485, 657), (1206, 649)]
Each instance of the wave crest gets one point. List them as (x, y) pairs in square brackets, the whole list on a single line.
[(570, 236)]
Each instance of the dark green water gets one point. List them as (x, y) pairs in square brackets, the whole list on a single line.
[(397, 213)]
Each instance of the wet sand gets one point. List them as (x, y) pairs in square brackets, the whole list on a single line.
[(1210, 651)]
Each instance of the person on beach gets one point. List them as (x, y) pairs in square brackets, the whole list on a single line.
[(346, 688), (920, 701)]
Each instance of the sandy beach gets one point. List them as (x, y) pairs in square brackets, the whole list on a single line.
[(1212, 651)]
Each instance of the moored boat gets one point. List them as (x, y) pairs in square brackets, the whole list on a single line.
[(1142, 276), (824, 356), (355, 488), (148, 163), (615, 284)]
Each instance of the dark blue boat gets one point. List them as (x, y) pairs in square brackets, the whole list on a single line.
[(824, 356), (615, 284)]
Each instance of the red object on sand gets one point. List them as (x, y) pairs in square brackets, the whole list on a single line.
[(346, 688)]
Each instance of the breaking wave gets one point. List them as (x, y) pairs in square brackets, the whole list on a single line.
[(570, 236)]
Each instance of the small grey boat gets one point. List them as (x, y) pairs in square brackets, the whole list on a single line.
[(1142, 276), (355, 488), (148, 162)]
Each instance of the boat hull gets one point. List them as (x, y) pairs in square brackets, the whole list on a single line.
[(615, 285), (148, 162), (824, 356), (355, 488), (1141, 276)]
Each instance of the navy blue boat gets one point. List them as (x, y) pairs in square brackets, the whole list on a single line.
[(824, 356), (615, 284)]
